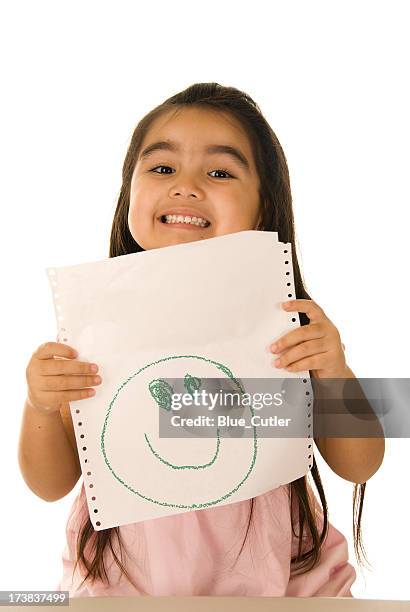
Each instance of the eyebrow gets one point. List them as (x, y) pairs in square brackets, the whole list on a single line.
[(213, 149)]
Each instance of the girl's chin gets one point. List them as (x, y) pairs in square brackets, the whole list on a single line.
[(178, 237)]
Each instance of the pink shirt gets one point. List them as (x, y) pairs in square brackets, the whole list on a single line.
[(194, 553)]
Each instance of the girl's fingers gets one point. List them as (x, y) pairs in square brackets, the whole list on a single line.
[(61, 397), (315, 362), (66, 383), (297, 336), (54, 377), (54, 367), (51, 349), (303, 350), (54, 358), (313, 311)]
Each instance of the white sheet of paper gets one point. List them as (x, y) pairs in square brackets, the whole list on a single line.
[(163, 313)]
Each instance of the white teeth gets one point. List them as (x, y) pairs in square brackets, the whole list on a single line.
[(186, 219)]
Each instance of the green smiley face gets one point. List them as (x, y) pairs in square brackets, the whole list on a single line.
[(160, 395)]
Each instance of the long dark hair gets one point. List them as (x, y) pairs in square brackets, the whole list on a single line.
[(276, 206)]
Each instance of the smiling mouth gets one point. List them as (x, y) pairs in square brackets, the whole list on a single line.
[(179, 222)]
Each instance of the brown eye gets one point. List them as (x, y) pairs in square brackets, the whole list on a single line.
[(153, 169), (218, 170), (224, 172)]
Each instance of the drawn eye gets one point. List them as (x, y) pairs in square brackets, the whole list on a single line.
[(191, 383), (162, 393)]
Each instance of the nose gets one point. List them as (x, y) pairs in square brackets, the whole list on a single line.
[(185, 186)]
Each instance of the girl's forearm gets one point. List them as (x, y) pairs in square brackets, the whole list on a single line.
[(354, 459), (47, 461)]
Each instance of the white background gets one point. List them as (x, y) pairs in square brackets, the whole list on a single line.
[(330, 77)]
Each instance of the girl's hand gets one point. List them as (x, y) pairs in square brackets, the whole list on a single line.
[(51, 382), (316, 346)]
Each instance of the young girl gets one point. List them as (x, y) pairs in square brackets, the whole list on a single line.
[(202, 164)]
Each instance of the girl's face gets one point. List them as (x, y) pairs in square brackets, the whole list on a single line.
[(193, 163)]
